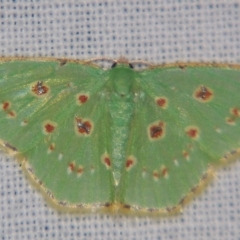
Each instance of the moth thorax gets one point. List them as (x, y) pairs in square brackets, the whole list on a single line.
[(122, 78)]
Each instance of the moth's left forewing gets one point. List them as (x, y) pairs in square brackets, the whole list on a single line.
[(186, 121)]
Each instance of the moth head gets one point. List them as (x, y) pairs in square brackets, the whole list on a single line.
[(122, 76)]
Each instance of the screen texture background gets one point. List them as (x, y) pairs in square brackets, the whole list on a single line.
[(156, 31)]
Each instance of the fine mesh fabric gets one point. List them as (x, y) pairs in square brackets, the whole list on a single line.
[(157, 31)]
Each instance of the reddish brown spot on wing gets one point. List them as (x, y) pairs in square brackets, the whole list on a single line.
[(203, 94), (156, 130), (162, 102), (107, 161), (40, 89), (164, 171), (83, 98), (71, 166), (11, 114), (235, 112), (130, 162), (84, 127), (6, 105), (192, 132), (49, 128)]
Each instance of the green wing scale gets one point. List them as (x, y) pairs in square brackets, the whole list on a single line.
[(120, 138)]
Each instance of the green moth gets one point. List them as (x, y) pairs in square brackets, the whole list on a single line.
[(145, 141)]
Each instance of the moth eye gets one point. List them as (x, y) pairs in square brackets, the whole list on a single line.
[(114, 65), (131, 66)]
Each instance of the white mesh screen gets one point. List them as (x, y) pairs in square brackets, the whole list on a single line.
[(156, 31)]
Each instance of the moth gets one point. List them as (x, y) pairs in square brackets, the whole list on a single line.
[(121, 139)]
